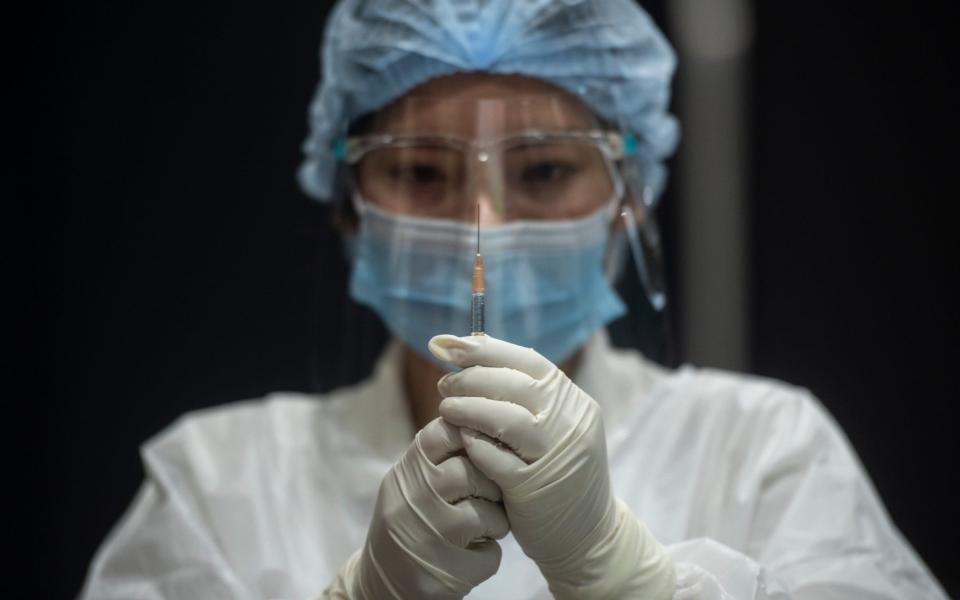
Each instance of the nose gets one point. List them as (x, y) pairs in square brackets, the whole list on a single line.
[(490, 210), (489, 215)]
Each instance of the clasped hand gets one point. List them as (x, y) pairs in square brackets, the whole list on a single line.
[(534, 441), (539, 437)]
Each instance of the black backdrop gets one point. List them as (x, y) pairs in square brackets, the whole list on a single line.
[(168, 262)]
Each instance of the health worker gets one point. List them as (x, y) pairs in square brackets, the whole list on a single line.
[(536, 460)]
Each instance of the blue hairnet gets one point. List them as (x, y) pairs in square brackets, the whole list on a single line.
[(607, 52)]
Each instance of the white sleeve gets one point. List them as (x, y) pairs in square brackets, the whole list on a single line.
[(159, 550), (239, 502), (708, 570), (818, 528), (177, 539)]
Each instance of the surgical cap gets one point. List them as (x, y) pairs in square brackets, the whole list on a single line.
[(609, 53)]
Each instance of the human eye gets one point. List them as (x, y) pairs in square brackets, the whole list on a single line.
[(544, 172), (543, 164), (420, 174), (422, 167), (422, 178), (556, 176)]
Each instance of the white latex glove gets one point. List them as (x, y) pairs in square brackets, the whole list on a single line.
[(433, 528), (540, 438)]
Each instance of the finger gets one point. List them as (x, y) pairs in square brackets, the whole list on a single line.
[(477, 520), (488, 351), (497, 462), (457, 478), (485, 561), (505, 422), (438, 440), (496, 383)]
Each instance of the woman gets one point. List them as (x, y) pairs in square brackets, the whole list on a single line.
[(534, 460)]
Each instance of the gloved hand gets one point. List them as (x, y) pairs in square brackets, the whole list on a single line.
[(540, 438), (433, 528)]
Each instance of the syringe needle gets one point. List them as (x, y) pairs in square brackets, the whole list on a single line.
[(478, 229)]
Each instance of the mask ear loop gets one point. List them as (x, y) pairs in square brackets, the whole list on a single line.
[(654, 292)]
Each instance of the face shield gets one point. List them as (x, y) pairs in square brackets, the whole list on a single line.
[(535, 159), (533, 184)]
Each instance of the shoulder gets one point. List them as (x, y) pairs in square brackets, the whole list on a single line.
[(747, 415), (701, 404), (733, 395), (620, 374), (227, 422), (690, 402), (210, 435), (229, 435), (740, 393)]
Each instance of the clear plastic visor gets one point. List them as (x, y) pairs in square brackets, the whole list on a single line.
[(536, 158)]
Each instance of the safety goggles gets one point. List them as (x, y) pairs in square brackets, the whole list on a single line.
[(530, 160)]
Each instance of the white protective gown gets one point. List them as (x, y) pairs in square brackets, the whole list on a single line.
[(748, 482)]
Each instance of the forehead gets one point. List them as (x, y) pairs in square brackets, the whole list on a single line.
[(482, 105)]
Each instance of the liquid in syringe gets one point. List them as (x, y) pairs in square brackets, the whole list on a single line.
[(478, 291)]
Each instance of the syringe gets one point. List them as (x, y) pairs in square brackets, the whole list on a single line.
[(477, 299)]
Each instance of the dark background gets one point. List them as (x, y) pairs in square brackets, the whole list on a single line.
[(168, 261)]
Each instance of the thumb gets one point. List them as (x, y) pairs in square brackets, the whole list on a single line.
[(473, 350), (494, 460)]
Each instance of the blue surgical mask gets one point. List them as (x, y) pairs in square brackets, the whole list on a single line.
[(545, 284)]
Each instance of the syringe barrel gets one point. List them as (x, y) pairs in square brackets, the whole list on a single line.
[(476, 313)]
